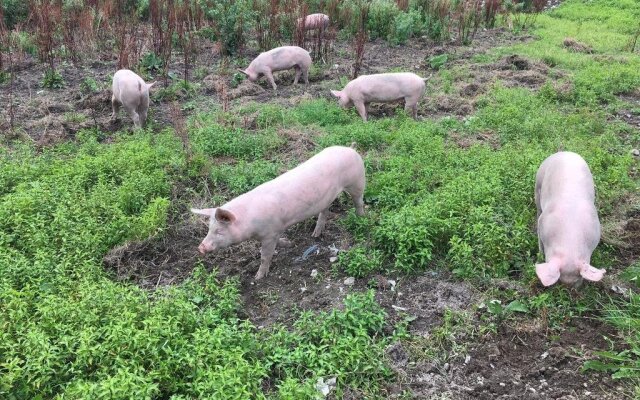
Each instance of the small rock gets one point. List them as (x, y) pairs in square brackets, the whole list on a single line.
[(333, 259), (532, 390), (349, 281), (635, 152), (314, 273), (446, 366), (392, 284), (398, 308), (303, 289), (584, 384), (467, 359), (544, 355), (328, 287), (503, 384)]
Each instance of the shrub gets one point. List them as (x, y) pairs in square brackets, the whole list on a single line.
[(381, 17), (360, 261), (52, 79), (405, 26), (231, 19)]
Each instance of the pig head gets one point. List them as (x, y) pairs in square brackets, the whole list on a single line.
[(222, 232), (568, 224)]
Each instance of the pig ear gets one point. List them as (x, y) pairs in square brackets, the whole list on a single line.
[(208, 212), (243, 72), (150, 84), (336, 93), (224, 216), (591, 273), (548, 273)]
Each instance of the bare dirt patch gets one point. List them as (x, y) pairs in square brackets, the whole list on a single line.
[(573, 45), (516, 364)]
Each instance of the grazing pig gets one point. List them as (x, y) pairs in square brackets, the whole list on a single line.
[(266, 211), (314, 21), (279, 59), (382, 88), (568, 225), (130, 91)]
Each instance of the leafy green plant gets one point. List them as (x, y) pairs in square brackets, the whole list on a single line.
[(52, 79), (439, 61), (180, 89), (232, 19), (4, 77), (360, 261), (237, 79), (381, 17), (405, 26), (89, 85), (151, 63)]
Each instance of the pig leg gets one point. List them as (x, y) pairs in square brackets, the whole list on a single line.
[(362, 110), (305, 75), (322, 220), (357, 195), (411, 105), (298, 72), (269, 76), (136, 118), (266, 253), (115, 106)]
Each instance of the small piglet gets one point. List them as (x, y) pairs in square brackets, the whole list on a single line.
[(130, 91), (279, 59), (568, 225), (315, 21), (265, 212), (382, 88)]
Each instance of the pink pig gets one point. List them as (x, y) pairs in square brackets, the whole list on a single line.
[(265, 212), (130, 91), (382, 88), (315, 21), (279, 59), (568, 225)]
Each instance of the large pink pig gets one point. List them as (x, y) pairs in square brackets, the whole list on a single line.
[(130, 91), (315, 21), (568, 225), (265, 212), (279, 59), (382, 88)]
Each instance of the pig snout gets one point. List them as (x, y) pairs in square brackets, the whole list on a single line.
[(204, 248)]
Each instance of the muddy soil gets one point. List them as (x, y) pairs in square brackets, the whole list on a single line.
[(520, 362)]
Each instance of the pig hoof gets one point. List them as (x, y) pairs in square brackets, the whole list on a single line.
[(259, 275)]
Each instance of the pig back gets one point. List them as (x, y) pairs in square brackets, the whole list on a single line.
[(386, 87), (305, 190), (281, 58), (564, 177)]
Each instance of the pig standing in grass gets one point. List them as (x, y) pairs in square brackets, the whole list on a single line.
[(279, 59), (382, 88), (130, 91), (265, 212), (568, 225), (315, 21)]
